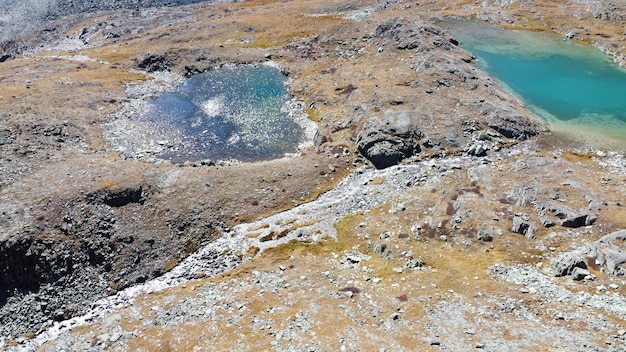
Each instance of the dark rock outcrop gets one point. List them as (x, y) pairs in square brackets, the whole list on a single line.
[(10, 49), (388, 144), (91, 247), (154, 63), (507, 121)]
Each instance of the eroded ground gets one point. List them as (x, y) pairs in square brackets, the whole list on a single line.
[(407, 274)]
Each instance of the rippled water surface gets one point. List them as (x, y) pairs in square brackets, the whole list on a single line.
[(238, 112), (577, 89)]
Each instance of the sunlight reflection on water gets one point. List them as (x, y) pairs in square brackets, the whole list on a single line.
[(231, 112)]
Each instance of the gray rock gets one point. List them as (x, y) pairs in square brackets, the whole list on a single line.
[(435, 341), (579, 273), (609, 252), (521, 226), (381, 249), (614, 236), (353, 259), (442, 43), (389, 143), (570, 35), (510, 124), (477, 149), (413, 264), (564, 264), (522, 195), (484, 235), (479, 174), (116, 336), (546, 220), (614, 260), (566, 216)]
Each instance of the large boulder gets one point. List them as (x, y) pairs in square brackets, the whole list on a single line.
[(609, 253), (565, 216), (506, 119), (565, 263), (388, 143)]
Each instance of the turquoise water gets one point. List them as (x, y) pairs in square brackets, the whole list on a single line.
[(575, 88), (235, 112)]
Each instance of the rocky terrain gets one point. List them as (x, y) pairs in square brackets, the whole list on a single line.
[(431, 210)]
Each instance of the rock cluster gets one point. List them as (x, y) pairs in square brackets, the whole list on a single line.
[(607, 254)]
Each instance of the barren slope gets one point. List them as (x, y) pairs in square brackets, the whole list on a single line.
[(450, 250)]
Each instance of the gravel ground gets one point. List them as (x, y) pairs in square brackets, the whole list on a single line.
[(446, 324)]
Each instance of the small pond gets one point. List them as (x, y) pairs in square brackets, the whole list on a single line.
[(577, 89), (231, 112)]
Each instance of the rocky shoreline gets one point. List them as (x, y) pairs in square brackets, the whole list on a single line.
[(419, 159)]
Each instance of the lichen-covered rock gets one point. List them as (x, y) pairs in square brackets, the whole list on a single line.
[(506, 121), (522, 226), (614, 260), (405, 35), (389, 143), (565, 216), (564, 264), (608, 253)]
